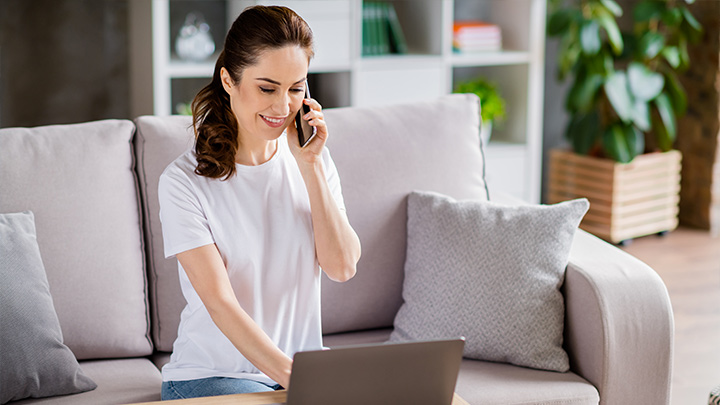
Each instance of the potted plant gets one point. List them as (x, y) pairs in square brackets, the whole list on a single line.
[(492, 104), (624, 101)]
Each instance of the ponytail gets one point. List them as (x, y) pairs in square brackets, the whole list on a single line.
[(216, 139)]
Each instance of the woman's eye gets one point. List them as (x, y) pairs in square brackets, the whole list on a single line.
[(266, 90), (297, 90)]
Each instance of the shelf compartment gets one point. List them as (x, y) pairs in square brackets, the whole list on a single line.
[(420, 24), (512, 16), (512, 82), (213, 12)]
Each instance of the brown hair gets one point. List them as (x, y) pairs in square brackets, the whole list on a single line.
[(256, 29)]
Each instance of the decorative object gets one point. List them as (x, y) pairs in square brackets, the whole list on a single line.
[(623, 102), (627, 200), (490, 273), (492, 104), (35, 361), (194, 41)]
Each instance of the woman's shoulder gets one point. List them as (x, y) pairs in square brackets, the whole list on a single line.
[(183, 167)]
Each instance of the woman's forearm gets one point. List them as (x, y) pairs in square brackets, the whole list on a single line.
[(206, 271), (336, 243), (252, 341)]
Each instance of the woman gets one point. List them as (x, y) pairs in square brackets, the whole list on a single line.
[(252, 217)]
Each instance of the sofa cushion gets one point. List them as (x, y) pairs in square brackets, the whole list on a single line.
[(490, 273), (79, 182), (35, 362), (123, 381), (159, 140), (382, 154), (481, 382)]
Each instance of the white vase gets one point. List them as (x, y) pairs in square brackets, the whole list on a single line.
[(485, 132), (194, 42)]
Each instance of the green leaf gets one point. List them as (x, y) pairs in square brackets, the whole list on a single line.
[(582, 95), (651, 44), (672, 56), (616, 145), (683, 53), (676, 93), (690, 19), (568, 58), (559, 22), (635, 140), (616, 89), (667, 131), (672, 17), (583, 132), (648, 10), (613, 7), (590, 37), (641, 114), (613, 32), (644, 83)]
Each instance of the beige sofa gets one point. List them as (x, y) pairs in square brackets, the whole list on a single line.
[(93, 190)]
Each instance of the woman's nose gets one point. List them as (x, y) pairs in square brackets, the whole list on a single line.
[(283, 105)]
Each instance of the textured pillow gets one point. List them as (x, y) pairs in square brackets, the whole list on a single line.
[(491, 273), (34, 361)]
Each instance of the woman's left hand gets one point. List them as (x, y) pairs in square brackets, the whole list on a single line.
[(309, 154)]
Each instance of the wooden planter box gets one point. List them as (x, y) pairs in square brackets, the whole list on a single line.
[(627, 200)]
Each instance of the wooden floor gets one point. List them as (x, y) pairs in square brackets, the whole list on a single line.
[(688, 261)]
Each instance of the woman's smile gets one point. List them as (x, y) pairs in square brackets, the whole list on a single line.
[(273, 122)]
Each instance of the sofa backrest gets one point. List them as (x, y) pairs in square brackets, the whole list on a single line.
[(382, 154), (80, 184), (158, 141)]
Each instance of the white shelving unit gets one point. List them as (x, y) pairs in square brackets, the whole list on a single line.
[(341, 76)]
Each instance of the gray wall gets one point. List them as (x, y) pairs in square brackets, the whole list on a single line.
[(63, 61), (554, 117)]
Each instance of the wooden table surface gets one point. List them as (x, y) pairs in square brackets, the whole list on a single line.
[(259, 398)]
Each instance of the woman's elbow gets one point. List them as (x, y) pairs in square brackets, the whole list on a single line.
[(345, 269), (342, 274)]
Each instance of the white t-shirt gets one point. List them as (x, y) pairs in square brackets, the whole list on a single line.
[(260, 221)]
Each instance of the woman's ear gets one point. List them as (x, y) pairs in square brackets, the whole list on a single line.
[(227, 81)]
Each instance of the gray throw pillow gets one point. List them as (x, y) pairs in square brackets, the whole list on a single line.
[(34, 361), (490, 273)]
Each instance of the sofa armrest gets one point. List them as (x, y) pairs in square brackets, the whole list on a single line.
[(619, 324)]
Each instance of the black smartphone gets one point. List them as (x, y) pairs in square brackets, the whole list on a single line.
[(306, 132)]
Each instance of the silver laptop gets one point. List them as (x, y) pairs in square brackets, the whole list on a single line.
[(415, 373)]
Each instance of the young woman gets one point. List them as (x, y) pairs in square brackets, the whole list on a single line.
[(252, 217)]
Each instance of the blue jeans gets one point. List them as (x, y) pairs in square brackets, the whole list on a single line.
[(206, 387)]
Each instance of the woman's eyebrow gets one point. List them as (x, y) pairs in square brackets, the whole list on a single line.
[(275, 82)]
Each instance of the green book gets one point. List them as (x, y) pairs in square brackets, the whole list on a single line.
[(366, 34), (383, 29), (397, 38)]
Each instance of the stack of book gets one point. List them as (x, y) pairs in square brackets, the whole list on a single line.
[(476, 36), (381, 30)]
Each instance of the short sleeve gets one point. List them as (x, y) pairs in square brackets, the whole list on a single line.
[(333, 179), (184, 223)]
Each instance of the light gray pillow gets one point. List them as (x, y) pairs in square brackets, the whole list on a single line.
[(490, 273), (34, 361)]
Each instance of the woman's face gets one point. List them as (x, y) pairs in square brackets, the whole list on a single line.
[(268, 94)]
